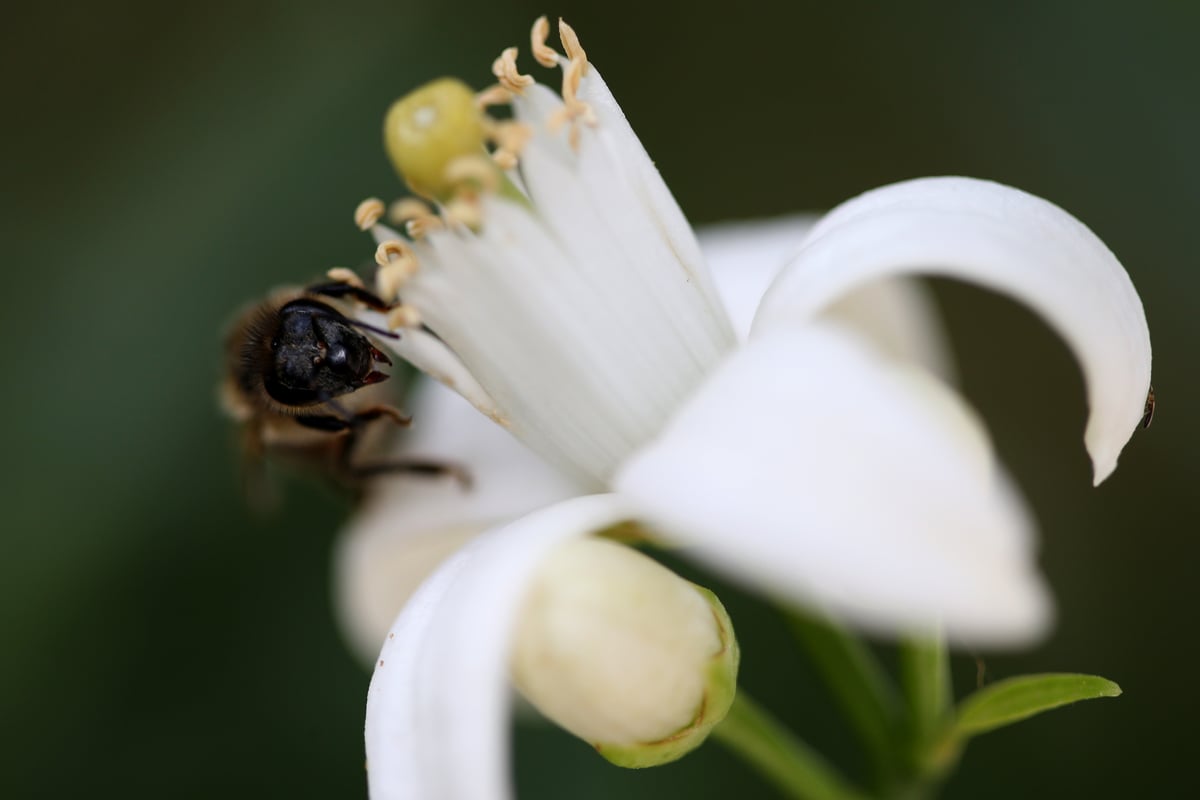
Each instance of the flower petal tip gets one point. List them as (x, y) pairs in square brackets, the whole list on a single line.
[(1005, 240)]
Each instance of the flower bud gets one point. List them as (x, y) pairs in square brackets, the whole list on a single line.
[(625, 654), (425, 131)]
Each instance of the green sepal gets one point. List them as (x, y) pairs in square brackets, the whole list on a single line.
[(1014, 699)]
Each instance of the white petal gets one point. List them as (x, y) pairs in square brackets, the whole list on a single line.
[(813, 467), (437, 711), (897, 314), (409, 525), (1006, 240), (629, 156)]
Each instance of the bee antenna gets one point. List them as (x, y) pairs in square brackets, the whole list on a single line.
[(357, 324), (373, 329)]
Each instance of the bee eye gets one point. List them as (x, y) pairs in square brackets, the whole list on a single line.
[(336, 357)]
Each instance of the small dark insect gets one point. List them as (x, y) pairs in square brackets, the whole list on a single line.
[(300, 377), (1148, 414)]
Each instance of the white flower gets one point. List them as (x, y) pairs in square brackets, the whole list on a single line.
[(816, 456)]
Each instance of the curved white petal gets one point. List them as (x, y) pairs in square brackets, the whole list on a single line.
[(813, 467), (897, 314), (1006, 240), (408, 524), (437, 711), (631, 157)]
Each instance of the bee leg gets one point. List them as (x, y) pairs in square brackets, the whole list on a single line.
[(351, 426), (375, 412), (261, 494), (342, 290), (349, 422), (413, 466)]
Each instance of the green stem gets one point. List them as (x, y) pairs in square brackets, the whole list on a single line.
[(925, 674), (860, 685), (778, 754)]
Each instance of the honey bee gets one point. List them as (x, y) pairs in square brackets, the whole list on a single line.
[(302, 379), (1148, 413)]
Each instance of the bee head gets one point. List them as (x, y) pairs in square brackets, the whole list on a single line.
[(317, 355)]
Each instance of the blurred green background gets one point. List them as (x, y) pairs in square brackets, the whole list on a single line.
[(165, 163)]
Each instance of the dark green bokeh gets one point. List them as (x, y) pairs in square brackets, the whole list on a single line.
[(164, 164)]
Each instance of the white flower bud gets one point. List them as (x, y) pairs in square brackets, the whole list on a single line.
[(623, 653)]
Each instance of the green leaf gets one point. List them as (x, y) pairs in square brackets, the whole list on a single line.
[(1015, 699)]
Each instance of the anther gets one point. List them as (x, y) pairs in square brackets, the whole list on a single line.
[(420, 227), (403, 316), (368, 213), (505, 159), (505, 70), (464, 211), (414, 216), (390, 277), (392, 250), (573, 109), (346, 276), (476, 170), (572, 76), (511, 136), (544, 54), (495, 95), (570, 43), (406, 208)]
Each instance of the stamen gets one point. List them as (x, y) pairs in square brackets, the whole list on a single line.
[(505, 159), (391, 277), (420, 227), (544, 54), (574, 110), (572, 76), (505, 70), (347, 276), (414, 216), (393, 250), (510, 138), (406, 208), (464, 210), (368, 213), (473, 169), (403, 316), (495, 95), (570, 43)]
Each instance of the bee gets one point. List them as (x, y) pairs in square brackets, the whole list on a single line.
[(1148, 413), (302, 380)]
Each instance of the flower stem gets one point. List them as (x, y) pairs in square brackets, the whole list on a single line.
[(861, 686), (778, 754), (925, 675)]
